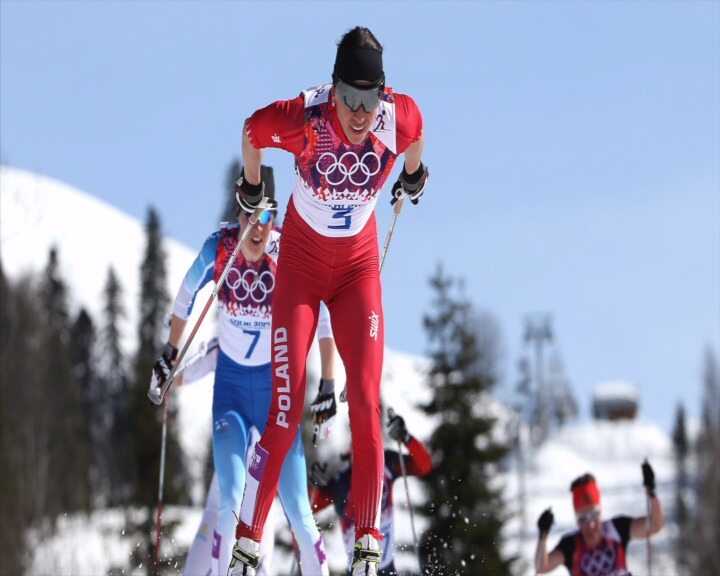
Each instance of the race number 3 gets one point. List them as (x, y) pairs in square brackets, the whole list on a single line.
[(344, 214)]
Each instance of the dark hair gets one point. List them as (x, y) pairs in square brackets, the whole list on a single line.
[(360, 37), (581, 481)]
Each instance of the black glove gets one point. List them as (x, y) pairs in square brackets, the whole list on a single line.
[(161, 372), (397, 429), (411, 184), (248, 195), (648, 478), (545, 522), (318, 474), (323, 409)]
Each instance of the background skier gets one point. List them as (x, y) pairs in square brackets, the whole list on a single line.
[(598, 547)]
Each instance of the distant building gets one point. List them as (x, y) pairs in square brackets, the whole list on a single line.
[(615, 400)]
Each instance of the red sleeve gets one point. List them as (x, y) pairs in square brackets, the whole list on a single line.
[(420, 459), (408, 122), (279, 125)]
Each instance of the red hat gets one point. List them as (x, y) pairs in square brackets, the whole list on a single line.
[(586, 495)]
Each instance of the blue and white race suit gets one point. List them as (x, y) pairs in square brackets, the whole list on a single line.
[(242, 389)]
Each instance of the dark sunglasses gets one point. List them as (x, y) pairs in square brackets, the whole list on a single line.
[(353, 97)]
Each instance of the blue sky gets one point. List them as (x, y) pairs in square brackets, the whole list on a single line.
[(573, 148)]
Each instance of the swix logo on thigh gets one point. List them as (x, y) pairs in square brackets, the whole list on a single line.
[(374, 324), (280, 349)]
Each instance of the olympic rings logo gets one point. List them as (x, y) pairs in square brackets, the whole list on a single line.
[(250, 284), (598, 561), (349, 166)]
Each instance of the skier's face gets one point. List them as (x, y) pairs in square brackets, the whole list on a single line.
[(254, 246), (355, 124), (589, 521)]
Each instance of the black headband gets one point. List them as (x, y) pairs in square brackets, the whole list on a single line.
[(355, 63)]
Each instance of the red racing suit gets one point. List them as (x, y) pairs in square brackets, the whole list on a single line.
[(329, 253)]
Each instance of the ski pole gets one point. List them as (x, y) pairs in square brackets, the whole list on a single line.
[(649, 484), (647, 530), (265, 204), (396, 212), (163, 444), (391, 414), (161, 485)]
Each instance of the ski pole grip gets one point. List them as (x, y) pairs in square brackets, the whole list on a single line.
[(155, 398), (167, 384)]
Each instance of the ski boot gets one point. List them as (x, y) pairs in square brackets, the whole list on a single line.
[(366, 556), (245, 558)]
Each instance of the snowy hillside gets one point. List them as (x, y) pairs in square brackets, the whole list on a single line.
[(37, 212)]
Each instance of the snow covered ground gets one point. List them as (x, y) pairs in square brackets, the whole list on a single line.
[(612, 452)]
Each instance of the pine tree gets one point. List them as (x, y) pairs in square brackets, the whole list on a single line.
[(67, 443), (113, 315), (43, 448), (82, 349), (145, 420), (28, 408), (464, 509), (681, 447), (16, 334), (706, 532), (55, 290), (118, 464)]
